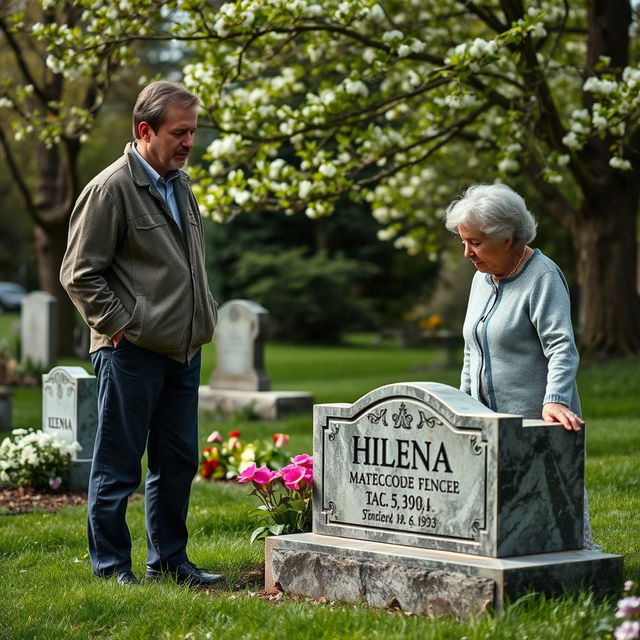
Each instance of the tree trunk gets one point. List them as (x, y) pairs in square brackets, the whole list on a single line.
[(606, 246), (55, 180)]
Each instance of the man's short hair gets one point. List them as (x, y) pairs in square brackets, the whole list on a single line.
[(154, 100)]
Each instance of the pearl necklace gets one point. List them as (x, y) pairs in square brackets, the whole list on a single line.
[(520, 259)]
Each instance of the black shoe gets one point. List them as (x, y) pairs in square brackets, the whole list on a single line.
[(126, 577), (186, 573)]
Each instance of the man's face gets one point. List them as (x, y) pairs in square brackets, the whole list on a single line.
[(168, 148)]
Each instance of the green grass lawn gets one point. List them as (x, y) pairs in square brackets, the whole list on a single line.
[(47, 590)]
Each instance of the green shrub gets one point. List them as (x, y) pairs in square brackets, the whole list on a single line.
[(309, 298)]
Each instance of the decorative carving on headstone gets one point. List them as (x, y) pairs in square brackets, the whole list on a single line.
[(446, 474)]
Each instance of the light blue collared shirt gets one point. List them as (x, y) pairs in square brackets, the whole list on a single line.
[(164, 187)]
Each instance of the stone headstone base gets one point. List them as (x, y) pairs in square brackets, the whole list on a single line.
[(267, 405), (426, 581)]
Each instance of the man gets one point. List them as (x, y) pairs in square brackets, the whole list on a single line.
[(134, 268)]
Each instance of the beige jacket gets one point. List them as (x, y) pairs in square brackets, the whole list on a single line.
[(127, 264)]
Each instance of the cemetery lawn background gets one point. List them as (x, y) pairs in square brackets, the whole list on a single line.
[(48, 592)]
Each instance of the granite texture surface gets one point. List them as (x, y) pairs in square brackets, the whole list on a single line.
[(422, 580), (423, 464)]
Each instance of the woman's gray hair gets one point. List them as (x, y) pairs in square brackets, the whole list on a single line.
[(494, 209), (154, 100)]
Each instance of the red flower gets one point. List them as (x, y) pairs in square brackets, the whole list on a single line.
[(208, 467), (234, 434), (280, 439)]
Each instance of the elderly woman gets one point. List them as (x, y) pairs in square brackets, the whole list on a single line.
[(520, 355)]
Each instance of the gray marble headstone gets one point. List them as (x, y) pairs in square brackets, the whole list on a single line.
[(426, 500), (239, 340), (425, 465), (70, 412), (38, 329)]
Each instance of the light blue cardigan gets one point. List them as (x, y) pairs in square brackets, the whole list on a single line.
[(526, 349)]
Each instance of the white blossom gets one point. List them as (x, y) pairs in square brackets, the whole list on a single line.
[(600, 86), (620, 163), (304, 189), (328, 170)]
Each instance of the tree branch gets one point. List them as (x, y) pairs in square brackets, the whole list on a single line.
[(17, 176), (23, 66)]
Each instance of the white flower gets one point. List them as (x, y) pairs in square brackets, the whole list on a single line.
[(376, 13), (571, 141), (327, 169), (394, 34), (620, 163), (304, 189), (369, 55), (386, 234), (508, 165), (312, 11), (404, 50), (538, 31), (356, 87), (596, 85)]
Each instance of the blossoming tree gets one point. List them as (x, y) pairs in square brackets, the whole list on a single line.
[(401, 103), (50, 107)]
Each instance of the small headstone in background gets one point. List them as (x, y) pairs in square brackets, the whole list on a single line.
[(240, 382), (239, 342), (39, 330), (70, 412)]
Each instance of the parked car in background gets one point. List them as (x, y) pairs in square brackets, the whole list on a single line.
[(11, 295)]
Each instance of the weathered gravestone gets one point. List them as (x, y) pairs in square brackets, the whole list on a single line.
[(38, 329), (240, 380), (425, 498), (70, 412), (239, 342)]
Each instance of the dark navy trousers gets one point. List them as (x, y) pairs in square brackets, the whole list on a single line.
[(145, 400)]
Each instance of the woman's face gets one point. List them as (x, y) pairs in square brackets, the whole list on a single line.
[(488, 254)]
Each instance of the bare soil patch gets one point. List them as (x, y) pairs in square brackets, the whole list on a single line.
[(26, 499)]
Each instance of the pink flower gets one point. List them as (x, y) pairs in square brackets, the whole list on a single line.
[(628, 630), (308, 474), (628, 607), (303, 460), (628, 585), (264, 475), (292, 476), (215, 437), (55, 483), (280, 439), (248, 474)]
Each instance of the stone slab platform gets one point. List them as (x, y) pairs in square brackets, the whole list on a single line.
[(267, 405), (427, 581)]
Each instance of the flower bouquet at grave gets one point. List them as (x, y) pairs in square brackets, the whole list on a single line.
[(36, 459), (628, 611), (285, 496), (224, 459)]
